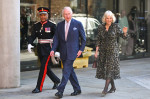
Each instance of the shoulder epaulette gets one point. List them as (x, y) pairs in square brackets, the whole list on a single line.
[(52, 21)]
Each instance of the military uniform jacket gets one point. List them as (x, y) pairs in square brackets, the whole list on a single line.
[(43, 31)]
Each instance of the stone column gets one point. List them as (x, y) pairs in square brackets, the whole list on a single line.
[(9, 43)]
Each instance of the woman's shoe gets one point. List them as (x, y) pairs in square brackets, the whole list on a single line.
[(103, 94), (112, 90)]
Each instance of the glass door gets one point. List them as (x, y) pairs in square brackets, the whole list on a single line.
[(132, 15)]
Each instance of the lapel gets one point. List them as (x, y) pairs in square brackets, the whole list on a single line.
[(70, 28), (63, 30)]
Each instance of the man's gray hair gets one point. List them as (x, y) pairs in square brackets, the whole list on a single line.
[(68, 8)]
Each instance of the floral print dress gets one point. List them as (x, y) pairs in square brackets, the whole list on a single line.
[(108, 63)]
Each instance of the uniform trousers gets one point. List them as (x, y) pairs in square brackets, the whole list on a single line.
[(48, 71)]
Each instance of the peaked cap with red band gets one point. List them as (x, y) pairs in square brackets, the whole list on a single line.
[(43, 10)]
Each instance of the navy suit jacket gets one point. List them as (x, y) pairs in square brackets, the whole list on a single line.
[(69, 49)]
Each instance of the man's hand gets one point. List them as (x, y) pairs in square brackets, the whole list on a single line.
[(79, 53), (29, 48), (52, 53)]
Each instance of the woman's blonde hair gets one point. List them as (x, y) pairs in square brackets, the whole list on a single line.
[(108, 13)]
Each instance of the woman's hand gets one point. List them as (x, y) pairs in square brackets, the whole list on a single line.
[(125, 29), (96, 51), (95, 54)]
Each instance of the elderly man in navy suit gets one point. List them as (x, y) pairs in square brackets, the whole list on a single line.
[(67, 40)]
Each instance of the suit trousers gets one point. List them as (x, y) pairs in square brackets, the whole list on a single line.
[(68, 74), (48, 71)]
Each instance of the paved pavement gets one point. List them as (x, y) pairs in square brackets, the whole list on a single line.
[(134, 84)]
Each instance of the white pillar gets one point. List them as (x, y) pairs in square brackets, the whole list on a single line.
[(9, 43)]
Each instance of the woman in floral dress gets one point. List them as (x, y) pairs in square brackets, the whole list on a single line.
[(107, 46)]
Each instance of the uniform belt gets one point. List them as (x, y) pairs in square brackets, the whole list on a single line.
[(43, 41)]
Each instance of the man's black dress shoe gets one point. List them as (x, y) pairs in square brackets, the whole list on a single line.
[(36, 90), (59, 94), (55, 86), (76, 93)]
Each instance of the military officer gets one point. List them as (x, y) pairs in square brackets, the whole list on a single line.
[(44, 31)]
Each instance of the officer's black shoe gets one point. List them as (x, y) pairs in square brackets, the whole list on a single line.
[(76, 93), (59, 94), (36, 90), (55, 86)]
